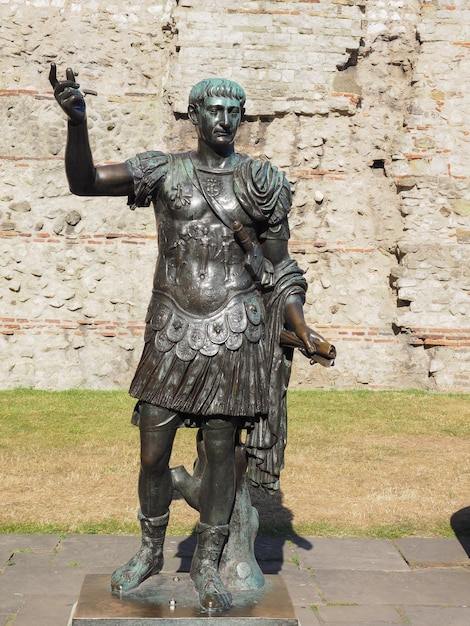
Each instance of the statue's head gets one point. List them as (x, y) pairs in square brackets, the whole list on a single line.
[(216, 107), (216, 87)]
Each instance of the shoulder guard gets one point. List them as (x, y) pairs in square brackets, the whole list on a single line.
[(148, 171)]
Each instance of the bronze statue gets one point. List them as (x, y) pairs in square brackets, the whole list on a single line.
[(224, 288)]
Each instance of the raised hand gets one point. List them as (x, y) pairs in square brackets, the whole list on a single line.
[(68, 95)]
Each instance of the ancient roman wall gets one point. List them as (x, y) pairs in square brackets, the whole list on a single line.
[(365, 105)]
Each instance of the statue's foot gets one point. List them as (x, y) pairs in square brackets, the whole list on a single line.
[(140, 567), (213, 596)]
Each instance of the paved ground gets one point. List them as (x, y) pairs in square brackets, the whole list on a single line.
[(332, 582)]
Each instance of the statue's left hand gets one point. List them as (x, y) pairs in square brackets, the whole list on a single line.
[(68, 95), (306, 334), (305, 338)]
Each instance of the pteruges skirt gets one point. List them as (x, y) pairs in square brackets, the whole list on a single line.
[(229, 383)]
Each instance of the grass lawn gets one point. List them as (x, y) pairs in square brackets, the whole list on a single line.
[(358, 464)]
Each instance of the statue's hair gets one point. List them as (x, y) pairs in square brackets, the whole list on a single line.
[(213, 87)]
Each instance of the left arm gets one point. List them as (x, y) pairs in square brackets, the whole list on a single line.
[(276, 251)]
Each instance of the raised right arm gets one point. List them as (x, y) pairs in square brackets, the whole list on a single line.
[(84, 178)]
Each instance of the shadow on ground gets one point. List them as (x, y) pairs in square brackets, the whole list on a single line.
[(276, 530), (460, 522)]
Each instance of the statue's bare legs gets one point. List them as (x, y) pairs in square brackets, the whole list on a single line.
[(216, 498), (155, 494), (217, 495)]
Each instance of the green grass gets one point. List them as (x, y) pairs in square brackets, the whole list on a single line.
[(53, 418), (392, 412), (358, 463)]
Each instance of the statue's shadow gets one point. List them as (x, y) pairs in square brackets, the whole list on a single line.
[(276, 541), (460, 522)]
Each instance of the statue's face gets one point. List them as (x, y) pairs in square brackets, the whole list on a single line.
[(218, 120)]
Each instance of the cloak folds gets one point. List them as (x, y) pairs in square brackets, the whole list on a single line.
[(267, 440), (264, 193)]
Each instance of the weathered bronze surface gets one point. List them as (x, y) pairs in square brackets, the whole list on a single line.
[(169, 600), (225, 315)]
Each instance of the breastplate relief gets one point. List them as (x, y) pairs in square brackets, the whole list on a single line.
[(200, 263)]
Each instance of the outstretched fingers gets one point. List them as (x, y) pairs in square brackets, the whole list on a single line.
[(70, 75), (53, 75), (57, 85)]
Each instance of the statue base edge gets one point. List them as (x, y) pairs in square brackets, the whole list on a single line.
[(171, 600)]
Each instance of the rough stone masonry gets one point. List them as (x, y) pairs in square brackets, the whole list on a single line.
[(364, 103)]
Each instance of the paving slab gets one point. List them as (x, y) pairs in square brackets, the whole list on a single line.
[(36, 573), (11, 544), (433, 552), (465, 541), (270, 567), (279, 549), (302, 587), (353, 554), (331, 582), (29, 543), (176, 564), (50, 610), (432, 616), (11, 601), (98, 551), (307, 617), (372, 615), (43, 591), (374, 622), (181, 547), (5, 556), (432, 587)]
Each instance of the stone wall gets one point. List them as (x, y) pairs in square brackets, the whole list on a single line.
[(364, 104)]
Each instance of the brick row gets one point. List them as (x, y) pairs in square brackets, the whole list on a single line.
[(105, 328), (334, 332), (296, 246)]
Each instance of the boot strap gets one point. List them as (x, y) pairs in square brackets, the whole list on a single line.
[(161, 520), (223, 529)]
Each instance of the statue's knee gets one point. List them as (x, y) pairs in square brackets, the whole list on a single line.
[(219, 445), (157, 432), (151, 460), (155, 454)]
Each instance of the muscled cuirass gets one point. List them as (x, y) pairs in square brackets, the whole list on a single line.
[(200, 264), (203, 297)]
